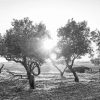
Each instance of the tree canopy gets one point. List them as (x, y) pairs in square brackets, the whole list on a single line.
[(74, 41), (95, 37), (25, 39), (23, 43)]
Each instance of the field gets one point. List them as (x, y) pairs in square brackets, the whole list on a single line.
[(49, 84)]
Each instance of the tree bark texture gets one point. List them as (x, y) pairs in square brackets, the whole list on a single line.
[(31, 80), (74, 73), (30, 76)]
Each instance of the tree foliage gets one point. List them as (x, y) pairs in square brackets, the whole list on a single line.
[(24, 39), (74, 41), (95, 37), (96, 61), (74, 38), (23, 44)]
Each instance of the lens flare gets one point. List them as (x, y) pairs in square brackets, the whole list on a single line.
[(53, 56), (49, 44)]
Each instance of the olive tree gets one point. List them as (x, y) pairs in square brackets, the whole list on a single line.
[(95, 37), (74, 43), (23, 44)]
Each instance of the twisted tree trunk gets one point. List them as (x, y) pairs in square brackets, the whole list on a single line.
[(30, 73), (31, 80), (74, 73), (71, 69)]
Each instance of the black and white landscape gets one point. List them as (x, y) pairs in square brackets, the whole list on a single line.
[(49, 50)]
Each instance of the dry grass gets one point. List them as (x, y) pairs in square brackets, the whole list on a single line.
[(51, 87)]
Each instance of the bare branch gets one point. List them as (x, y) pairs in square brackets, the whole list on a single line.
[(35, 65), (56, 66), (1, 68), (14, 74), (64, 69)]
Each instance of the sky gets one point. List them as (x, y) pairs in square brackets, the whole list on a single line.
[(53, 13)]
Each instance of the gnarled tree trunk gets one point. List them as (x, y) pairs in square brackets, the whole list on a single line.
[(29, 74), (30, 71), (74, 73), (31, 80)]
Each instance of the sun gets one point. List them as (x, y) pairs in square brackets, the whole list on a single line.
[(49, 44), (53, 56)]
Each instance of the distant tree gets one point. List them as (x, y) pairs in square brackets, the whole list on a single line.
[(1, 46), (95, 37), (95, 61), (74, 43), (23, 44)]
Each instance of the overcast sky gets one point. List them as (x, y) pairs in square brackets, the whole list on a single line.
[(53, 13)]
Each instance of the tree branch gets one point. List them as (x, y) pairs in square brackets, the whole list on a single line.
[(1, 68), (13, 59), (34, 65), (72, 61), (15, 74), (64, 69), (56, 66)]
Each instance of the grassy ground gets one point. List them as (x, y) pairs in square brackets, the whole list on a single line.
[(52, 87)]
